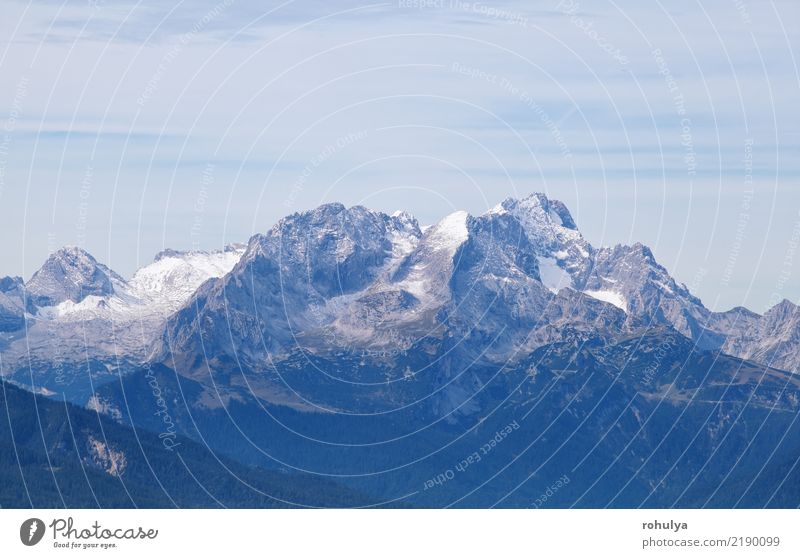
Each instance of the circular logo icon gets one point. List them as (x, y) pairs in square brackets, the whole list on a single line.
[(31, 532)]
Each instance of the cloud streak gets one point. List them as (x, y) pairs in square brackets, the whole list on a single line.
[(466, 101)]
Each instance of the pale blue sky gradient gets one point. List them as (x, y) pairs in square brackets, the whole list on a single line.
[(132, 126)]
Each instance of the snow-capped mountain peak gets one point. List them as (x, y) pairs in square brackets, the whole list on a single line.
[(71, 273), (538, 206), (78, 311), (173, 276), (425, 270), (565, 257), (451, 232), (338, 277), (548, 224)]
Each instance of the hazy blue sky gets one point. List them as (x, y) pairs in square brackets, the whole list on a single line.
[(132, 126)]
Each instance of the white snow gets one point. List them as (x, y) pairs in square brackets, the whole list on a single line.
[(451, 232), (556, 218), (553, 277), (611, 297), (544, 227), (497, 210), (417, 287), (171, 280), (403, 243), (155, 290), (665, 287), (90, 306), (427, 276)]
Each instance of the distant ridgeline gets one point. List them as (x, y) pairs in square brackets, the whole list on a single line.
[(492, 360)]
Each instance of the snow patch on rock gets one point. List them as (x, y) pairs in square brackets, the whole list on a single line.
[(553, 277), (451, 232), (610, 297)]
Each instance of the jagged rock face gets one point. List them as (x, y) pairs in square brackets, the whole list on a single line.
[(12, 304), (627, 277), (496, 286), (294, 281), (630, 277), (468, 290), (336, 280), (426, 270), (100, 455), (503, 283), (552, 233), (70, 274), (359, 330), (772, 339), (331, 251), (86, 323)]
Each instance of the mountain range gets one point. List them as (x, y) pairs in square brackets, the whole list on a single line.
[(76, 321), (366, 348)]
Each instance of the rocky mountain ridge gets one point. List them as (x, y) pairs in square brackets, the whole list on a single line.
[(349, 279)]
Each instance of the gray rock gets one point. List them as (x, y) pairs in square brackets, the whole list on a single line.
[(71, 273), (12, 304)]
